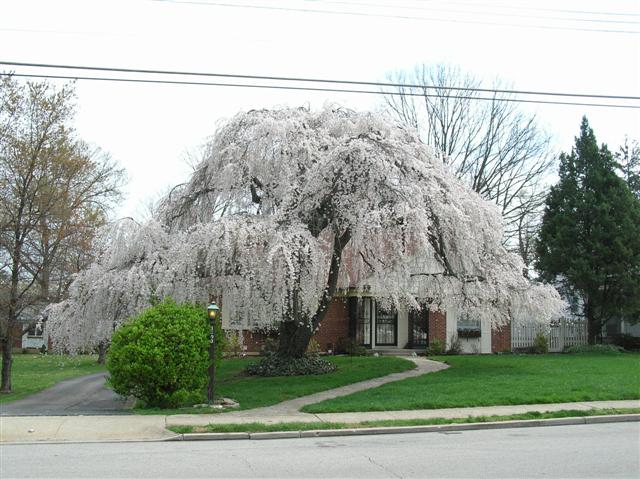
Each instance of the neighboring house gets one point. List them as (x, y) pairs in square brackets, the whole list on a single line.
[(362, 320), (620, 326), (31, 331)]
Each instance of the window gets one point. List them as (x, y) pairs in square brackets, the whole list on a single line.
[(469, 328), (36, 330)]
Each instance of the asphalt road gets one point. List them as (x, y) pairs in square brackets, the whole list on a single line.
[(584, 451), (84, 395)]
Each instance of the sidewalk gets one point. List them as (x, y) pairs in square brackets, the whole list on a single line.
[(153, 428)]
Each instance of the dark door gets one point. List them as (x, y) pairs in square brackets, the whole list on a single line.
[(363, 322), (419, 328), (386, 328)]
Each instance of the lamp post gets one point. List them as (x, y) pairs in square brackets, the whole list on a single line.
[(213, 312)]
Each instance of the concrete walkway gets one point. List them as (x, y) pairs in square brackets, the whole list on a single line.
[(293, 406), (31, 429), (16, 429)]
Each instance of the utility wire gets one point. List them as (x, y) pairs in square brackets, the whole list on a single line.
[(503, 6), (314, 80), (315, 89), (479, 12), (400, 17)]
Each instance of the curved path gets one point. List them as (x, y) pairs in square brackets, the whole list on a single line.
[(291, 408), (82, 395)]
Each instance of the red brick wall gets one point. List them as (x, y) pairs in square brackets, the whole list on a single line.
[(501, 338), (253, 341), (437, 326), (334, 326)]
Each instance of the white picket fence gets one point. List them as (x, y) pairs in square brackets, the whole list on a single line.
[(560, 334)]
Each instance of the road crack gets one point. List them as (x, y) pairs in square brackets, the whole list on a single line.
[(385, 469)]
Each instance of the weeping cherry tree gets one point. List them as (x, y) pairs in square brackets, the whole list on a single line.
[(289, 206)]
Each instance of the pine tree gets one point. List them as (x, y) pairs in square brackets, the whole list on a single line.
[(589, 244)]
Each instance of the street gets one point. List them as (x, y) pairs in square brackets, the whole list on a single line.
[(598, 451)]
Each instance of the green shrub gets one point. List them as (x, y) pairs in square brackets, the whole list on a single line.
[(274, 365), (594, 348), (435, 348), (313, 347), (540, 344), (627, 341), (161, 355), (233, 344), (269, 347), (455, 346), (349, 346)]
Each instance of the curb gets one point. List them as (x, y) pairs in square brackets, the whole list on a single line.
[(568, 421)]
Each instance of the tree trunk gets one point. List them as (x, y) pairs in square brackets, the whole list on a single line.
[(293, 339), (7, 362), (294, 335), (593, 325), (102, 352)]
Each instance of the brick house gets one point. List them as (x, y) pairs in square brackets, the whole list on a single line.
[(362, 320)]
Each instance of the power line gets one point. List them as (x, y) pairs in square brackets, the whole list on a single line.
[(400, 17), (315, 89), (513, 7), (315, 80), (486, 13)]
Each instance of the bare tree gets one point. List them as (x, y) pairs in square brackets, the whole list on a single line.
[(499, 151), (54, 192)]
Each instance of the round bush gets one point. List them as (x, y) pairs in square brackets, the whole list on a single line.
[(161, 356)]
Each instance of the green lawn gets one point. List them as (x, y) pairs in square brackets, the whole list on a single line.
[(500, 380), (312, 426), (252, 392), (34, 372)]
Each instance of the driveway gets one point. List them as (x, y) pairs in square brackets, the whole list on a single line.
[(84, 395)]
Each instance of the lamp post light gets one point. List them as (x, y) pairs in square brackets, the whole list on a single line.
[(213, 311)]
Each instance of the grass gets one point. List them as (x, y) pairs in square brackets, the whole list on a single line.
[(306, 426), (502, 380), (251, 391), (32, 373)]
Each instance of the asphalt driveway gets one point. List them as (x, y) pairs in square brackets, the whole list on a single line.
[(84, 395)]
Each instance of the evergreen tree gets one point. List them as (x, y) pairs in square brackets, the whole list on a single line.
[(628, 157), (589, 244)]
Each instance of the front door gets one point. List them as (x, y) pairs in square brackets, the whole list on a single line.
[(386, 328), (419, 328)]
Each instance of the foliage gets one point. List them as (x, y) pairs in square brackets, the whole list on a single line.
[(349, 346), (33, 373), (313, 347), (282, 199), (276, 365), (435, 347), (590, 237), (594, 349), (233, 344), (161, 356), (491, 380), (540, 343), (269, 346), (455, 346), (54, 192), (627, 341), (467, 333), (628, 159)]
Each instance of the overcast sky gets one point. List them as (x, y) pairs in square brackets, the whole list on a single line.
[(566, 46)]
